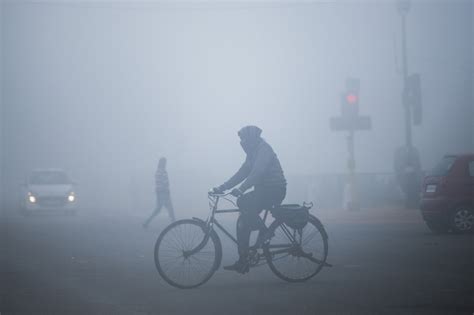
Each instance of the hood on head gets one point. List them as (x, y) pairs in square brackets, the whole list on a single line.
[(249, 138), (250, 132)]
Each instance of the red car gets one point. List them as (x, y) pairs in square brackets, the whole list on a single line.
[(448, 195)]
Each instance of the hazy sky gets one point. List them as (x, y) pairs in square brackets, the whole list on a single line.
[(106, 88)]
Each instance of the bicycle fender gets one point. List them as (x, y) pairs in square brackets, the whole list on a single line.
[(202, 222), (325, 234), (323, 230), (199, 220)]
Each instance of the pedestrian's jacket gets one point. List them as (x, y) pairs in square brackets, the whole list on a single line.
[(162, 184), (261, 169)]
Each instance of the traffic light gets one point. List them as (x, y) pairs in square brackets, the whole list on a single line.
[(350, 99)]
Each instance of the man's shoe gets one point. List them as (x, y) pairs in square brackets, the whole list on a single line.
[(241, 266)]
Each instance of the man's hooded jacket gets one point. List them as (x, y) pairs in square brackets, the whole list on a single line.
[(261, 168)]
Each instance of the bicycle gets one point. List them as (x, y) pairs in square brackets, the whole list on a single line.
[(188, 252)]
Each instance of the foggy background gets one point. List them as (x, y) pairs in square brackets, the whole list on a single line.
[(103, 89)]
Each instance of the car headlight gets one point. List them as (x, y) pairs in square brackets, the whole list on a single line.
[(71, 197), (31, 198)]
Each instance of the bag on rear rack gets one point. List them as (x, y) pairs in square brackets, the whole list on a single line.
[(294, 215)]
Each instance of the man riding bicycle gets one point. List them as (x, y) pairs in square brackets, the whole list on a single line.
[(262, 171)]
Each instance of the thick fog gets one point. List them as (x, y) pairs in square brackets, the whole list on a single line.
[(104, 89)]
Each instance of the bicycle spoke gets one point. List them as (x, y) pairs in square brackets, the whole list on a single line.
[(307, 239), (172, 244)]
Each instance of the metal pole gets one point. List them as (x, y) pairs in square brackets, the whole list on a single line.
[(409, 171), (403, 9), (353, 203)]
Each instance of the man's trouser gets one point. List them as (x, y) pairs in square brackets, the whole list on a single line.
[(250, 205)]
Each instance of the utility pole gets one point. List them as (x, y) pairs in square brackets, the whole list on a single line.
[(406, 160), (403, 8)]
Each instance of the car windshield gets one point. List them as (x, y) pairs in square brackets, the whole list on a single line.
[(49, 178), (443, 167)]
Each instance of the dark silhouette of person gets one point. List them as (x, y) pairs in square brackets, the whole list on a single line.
[(162, 189), (262, 171)]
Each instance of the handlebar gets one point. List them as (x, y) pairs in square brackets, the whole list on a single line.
[(210, 193)]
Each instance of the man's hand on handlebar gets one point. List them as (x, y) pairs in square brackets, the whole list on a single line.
[(218, 190)]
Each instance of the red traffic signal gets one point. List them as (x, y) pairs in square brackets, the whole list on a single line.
[(352, 98)]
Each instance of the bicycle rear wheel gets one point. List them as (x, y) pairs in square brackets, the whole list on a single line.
[(296, 255), (175, 259)]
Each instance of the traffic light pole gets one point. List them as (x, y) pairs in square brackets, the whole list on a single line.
[(353, 204), (350, 121)]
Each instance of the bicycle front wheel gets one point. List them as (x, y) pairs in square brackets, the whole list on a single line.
[(185, 256), (296, 255)]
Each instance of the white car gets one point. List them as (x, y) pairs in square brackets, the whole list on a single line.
[(48, 189)]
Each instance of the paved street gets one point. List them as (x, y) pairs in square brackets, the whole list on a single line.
[(385, 262)]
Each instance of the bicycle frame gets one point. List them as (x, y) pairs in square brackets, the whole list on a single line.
[(211, 221)]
